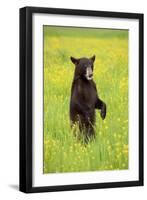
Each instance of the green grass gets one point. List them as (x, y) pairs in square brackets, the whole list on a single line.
[(62, 153)]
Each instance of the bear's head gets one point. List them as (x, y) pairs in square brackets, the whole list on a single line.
[(84, 67)]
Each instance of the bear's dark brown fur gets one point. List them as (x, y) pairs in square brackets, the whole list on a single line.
[(84, 98)]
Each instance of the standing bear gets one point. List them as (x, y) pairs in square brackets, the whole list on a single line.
[(84, 98)]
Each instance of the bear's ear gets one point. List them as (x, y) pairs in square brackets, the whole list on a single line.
[(93, 58), (74, 60)]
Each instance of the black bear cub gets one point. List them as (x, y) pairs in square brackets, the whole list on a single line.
[(84, 98)]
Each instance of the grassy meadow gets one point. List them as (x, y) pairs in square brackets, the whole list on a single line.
[(62, 153)]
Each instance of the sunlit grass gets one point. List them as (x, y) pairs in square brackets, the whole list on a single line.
[(62, 152)]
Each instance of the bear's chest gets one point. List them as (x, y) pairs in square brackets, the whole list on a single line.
[(87, 93)]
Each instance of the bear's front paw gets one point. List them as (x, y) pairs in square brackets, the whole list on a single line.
[(103, 111)]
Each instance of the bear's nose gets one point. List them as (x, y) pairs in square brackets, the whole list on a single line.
[(90, 75)]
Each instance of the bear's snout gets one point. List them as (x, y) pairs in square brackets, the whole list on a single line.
[(89, 73)]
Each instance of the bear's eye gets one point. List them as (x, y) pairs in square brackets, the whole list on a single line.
[(86, 65)]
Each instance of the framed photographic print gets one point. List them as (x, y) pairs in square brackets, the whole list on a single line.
[(81, 99)]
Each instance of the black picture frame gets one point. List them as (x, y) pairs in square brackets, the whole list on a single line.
[(26, 98)]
